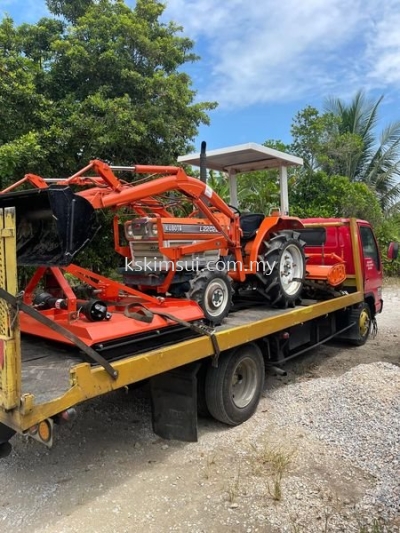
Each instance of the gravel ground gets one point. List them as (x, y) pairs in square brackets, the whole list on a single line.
[(356, 417), (320, 455)]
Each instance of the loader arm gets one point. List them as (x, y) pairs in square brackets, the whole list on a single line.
[(54, 223), (177, 180), (118, 195)]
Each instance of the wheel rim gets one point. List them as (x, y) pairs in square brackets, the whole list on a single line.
[(364, 323), (244, 383), (291, 269), (216, 297)]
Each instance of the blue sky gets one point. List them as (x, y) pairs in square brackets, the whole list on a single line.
[(265, 60)]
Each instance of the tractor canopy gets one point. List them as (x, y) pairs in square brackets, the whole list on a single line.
[(53, 224)]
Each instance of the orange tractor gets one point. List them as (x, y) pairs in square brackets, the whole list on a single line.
[(187, 255)]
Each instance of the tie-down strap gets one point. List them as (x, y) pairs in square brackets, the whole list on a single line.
[(146, 315), (18, 305)]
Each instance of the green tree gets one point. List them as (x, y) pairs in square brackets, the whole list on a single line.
[(387, 232), (310, 131), (258, 191), (71, 10), (319, 195), (377, 161), (103, 80), (219, 183), (344, 141), (96, 80)]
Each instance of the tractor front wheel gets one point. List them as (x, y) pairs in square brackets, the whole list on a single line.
[(212, 290)]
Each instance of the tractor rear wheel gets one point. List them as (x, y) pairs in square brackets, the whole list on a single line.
[(285, 268), (212, 290)]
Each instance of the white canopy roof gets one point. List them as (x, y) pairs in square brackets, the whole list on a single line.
[(246, 158), (243, 158)]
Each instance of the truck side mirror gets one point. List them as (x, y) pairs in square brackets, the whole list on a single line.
[(393, 251)]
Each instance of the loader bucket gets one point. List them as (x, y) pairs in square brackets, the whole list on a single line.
[(52, 225)]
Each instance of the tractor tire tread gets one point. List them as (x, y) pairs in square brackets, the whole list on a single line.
[(274, 290)]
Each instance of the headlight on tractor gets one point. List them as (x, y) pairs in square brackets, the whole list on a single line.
[(129, 230), (141, 228), (134, 230)]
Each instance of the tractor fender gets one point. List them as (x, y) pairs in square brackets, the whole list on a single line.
[(269, 226)]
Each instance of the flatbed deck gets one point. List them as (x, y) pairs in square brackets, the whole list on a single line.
[(46, 366)]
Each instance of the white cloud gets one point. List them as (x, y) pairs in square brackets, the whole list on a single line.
[(270, 51), (384, 48)]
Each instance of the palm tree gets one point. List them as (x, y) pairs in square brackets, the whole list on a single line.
[(360, 154)]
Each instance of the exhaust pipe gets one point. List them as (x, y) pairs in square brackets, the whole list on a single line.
[(53, 225), (203, 164)]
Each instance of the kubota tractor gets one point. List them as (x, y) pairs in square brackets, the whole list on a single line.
[(187, 254)]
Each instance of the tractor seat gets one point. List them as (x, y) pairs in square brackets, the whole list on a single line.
[(249, 224)]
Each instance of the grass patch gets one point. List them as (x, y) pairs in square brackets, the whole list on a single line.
[(377, 526), (234, 488), (209, 466), (272, 463)]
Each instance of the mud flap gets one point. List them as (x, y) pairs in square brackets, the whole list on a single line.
[(174, 403), (52, 225)]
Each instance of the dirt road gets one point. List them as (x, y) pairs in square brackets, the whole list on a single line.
[(108, 472)]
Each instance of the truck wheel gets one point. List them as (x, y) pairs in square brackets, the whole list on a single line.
[(233, 389), (5, 435), (362, 318), (212, 290), (285, 265)]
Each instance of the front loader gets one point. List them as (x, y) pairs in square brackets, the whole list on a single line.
[(188, 256)]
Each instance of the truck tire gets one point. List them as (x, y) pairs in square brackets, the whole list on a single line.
[(363, 321), (5, 435), (233, 388), (285, 268), (212, 290)]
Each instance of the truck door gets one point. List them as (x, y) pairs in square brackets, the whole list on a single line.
[(372, 265)]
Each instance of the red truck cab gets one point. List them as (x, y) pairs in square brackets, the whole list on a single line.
[(332, 235)]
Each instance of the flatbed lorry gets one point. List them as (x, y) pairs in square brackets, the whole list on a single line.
[(219, 370)]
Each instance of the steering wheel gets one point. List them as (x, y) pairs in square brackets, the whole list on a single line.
[(235, 209)]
